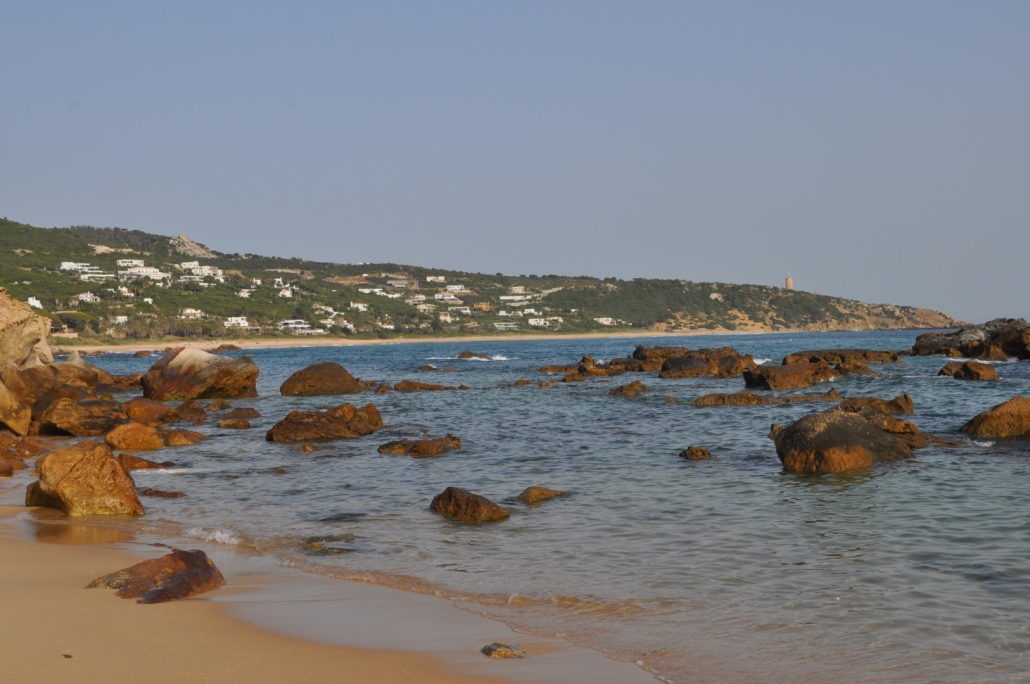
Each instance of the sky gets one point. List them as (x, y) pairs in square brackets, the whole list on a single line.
[(875, 150)]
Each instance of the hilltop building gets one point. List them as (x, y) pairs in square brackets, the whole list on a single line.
[(789, 283)]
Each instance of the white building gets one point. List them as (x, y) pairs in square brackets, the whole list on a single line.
[(286, 292), (34, 303), (359, 306), (504, 314), (605, 320), (131, 263), (445, 297), (415, 299), (294, 324), (514, 298), (460, 310), (426, 308), (539, 322), (119, 320), (191, 314), (88, 298), (436, 279), (506, 326), (148, 300), (244, 294), (517, 289), (397, 283), (456, 288), (141, 272), (387, 326), (74, 266), (190, 279), (236, 322), (189, 265), (95, 276), (445, 317)]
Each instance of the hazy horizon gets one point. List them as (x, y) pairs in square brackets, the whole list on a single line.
[(877, 151)]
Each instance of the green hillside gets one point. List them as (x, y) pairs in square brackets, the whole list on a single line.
[(30, 266)]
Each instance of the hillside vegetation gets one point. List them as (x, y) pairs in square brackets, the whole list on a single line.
[(328, 296)]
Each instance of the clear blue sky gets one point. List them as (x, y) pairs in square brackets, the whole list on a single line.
[(876, 150)]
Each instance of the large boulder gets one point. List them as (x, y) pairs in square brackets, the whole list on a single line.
[(792, 376), (463, 506), (970, 370), (901, 404), (30, 384), (838, 356), (340, 422), (1002, 336), (150, 412), (421, 448), (84, 479), (134, 437), (721, 362), (70, 411), (1008, 420), (23, 334), (14, 415), (834, 442), (179, 574), (659, 353), (321, 379), (186, 373)]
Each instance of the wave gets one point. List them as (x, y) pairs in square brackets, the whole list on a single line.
[(984, 444), (762, 362), (227, 537)]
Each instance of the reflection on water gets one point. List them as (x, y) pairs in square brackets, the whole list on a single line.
[(707, 571)]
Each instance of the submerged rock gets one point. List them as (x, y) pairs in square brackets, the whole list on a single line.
[(186, 373), (463, 506), (970, 370), (1010, 419), (693, 453), (746, 398), (793, 376), (235, 424), (162, 494), (241, 414), (531, 495), (473, 355), (218, 405), (321, 379), (134, 437), (834, 357), (629, 390), (84, 479), (834, 442), (413, 386), (421, 448), (901, 404), (631, 365), (130, 462), (341, 422), (179, 574)]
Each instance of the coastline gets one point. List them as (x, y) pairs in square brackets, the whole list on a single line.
[(270, 624)]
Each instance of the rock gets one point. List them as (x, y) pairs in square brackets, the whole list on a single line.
[(130, 462), (748, 399), (235, 424), (834, 357), (69, 411), (855, 368), (279, 470), (684, 367), (834, 442), (321, 379), (421, 448), (246, 413), (1009, 336), (591, 368), (464, 387), (501, 651), (970, 370), (428, 368), (544, 383), (382, 389), (458, 504), (218, 405), (149, 412), (6, 469), (473, 355), (102, 376), (24, 447), (84, 479), (721, 362), (180, 438), (341, 422), (559, 370), (23, 334), (30, 384), (185, 373), (671, 400), (792, 376), (412, 386), (532, 495), (887, 422), (629, 390), (142, 353), (901, 404), (163, 494), (574, 377), (134, 437), (310, 448), (225, 348), (659, 354), (1008, 420), (520, 383), (630, 365), (179, 574), (191, 410), (14, 415), (693, 453)]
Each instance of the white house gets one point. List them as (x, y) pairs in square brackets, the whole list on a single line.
[(74, 266), (148, 300), (539, 322), (119, 320), (514, 298), (286, 292), (244, 294), (95, 276), (34, 303), (445, 317), (359, 306), (504, 314), (606, 320), (460, 310), (436, 279), (506, 326), (191, 314), (87, 297), (189, 265), (445, 297), (397, 283), (294, 324), (131, 263), (415, 299), (426, 308), (236, 322), (141, 272), (517, 289), (456, 288)]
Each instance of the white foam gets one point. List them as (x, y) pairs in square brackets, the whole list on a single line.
[(762, 362), (218, 536), (983, 444)]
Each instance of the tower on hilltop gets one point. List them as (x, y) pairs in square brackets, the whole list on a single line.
[(789, 284)]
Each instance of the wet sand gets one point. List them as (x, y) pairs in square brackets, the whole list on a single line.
[(269, 625)]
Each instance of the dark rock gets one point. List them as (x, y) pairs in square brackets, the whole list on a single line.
[(834, 357), (631, 365), (970, 370), (693, 453), (833, 442), (671, 400), (532, 495), (160, 493), (412, 386), (749, 399), (192, 411), (6, 469), (519, 383), (340, 422), (241, 414), (473, 355), (428, 368), (501, 651), (901, 404), (142, 353), (720, 362), (1008, 420), (31, 384), (574, 377), (218, 405), (179, 574), (70, 411), (458, 504), (792, 376), (659, 354), (421, 448), (130, 462), (321, 379), (629, 390), (186, 373), (382, 389), (84, 479), (1008, 336), (224, 348)]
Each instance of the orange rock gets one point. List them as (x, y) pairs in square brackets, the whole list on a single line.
[(134, 437), (458, 504), (629, 390), (693, 453), (900, 404), (14, 415), (150, 412), (69, 411), (833, 442), (1010, 419), (342, 422), (178, 575), (970, 370), (236, 424), (421, 448), (531, 495), (792, 376), (412, 386), (130, 462), (321, 379), (84, 479)]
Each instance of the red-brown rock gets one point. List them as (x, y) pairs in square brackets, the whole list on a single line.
[(720, 362), (246, 413), (218, 405), (179, 438), (1008, 336), (1008, 420), (749, 399), (186, 373), (694, 453), (463, 506), (130, 462), (970, 370), (842, 356), (150, 412), (421, 448), (134, 437), (192, 411), (834, 442), (630, 365), (473, 355), (321, 379), (30, 384), (413, 386), (235, 424), (340, 422), (901, 404), (84, 479), (14, 415), (179, 574), (6, 469), (792, 376), (629, 390), (659, 354), (160, 493), (532, 495), (70, 411)]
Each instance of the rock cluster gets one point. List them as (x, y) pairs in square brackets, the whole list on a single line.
[(421, 448), (839, 356), (721, 362), (995, 340), (970, 370)]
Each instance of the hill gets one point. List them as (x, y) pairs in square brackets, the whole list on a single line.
[(111, 283)]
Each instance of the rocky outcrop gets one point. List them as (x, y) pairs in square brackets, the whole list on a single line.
[(134, 437), (222, 348), (559, 370), (23, 334), (29, 384), (836, 356), (180, 438), (84, 479), (792, 376), (412, 386), (421, 448), (130, 462), (532, 495), (14, 415), (473, 355), (1002, 336), (458, 504), (901, 404), (321, 379), (1008, 420), (70, 411), (659, 354), (834, 442), (245, 413), (631, 365), (855, 368), (694, 453), (970, 370), (629, 390), (720, 362), (179, 574), (149, 412), (749, 399), (185, 373), (340, 422)]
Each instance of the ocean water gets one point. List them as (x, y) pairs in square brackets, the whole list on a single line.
[(708, 571)]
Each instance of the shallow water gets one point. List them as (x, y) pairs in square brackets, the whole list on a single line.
[(704, 571)]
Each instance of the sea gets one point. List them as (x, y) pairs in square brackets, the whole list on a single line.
[(724, 570)]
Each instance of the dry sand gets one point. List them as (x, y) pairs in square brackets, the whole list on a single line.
[(269, 625)]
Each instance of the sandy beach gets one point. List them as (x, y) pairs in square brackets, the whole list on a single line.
[(268, 625)]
